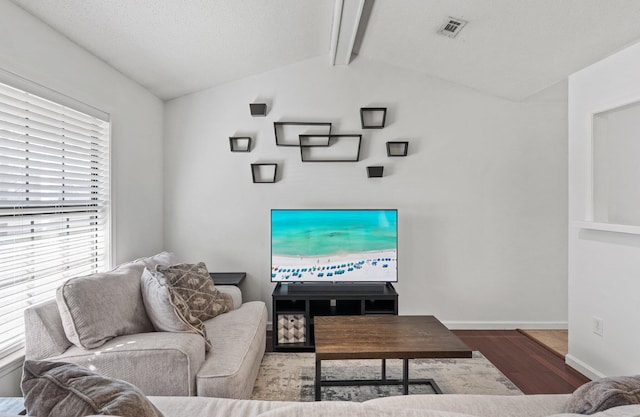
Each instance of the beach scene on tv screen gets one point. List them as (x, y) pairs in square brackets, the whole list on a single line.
[(333, 245)]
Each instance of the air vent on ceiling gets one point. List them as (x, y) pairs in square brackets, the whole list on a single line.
[(452, 27)]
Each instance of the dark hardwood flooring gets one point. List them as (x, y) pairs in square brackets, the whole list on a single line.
[(529, 365)]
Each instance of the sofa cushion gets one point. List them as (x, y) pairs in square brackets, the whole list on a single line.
[(231, 368), (158, 363), (166, 309), (212, 406), (349, 409), (480, 405), (194, 285), (101, 306), (64, 389), (603, 394)]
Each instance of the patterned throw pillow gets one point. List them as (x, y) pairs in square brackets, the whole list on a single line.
[(166, 309), (194, 286), (53, 389)]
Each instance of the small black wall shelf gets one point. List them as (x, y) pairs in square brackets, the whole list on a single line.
[(330, 148), (373, 117), (264, 173), (375, 171), (258, 109), (397, 148), (288, 133), (240, 143)]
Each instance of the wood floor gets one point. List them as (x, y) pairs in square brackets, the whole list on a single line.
[(532, 367), (556, 340)]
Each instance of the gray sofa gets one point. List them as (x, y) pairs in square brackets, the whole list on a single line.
[(159, 363), (446, 405)]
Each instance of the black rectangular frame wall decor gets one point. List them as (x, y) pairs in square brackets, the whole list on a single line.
[(258, 109), (397, 148), (314, 140), (299, 128), (240, 143), (373, 117), (375, 171), (260, 177), (331, 152)]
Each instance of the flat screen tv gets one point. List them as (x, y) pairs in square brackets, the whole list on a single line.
[(334, 245)]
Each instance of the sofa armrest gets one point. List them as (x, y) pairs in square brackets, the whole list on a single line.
[(44, 333), (159, 363), (234, 292)]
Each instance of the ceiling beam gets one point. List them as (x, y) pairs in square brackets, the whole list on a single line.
[(346, 22)]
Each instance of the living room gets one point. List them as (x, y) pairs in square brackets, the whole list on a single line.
[(488, 219)]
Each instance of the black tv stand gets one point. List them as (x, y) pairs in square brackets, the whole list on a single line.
[(336, 287), (296, 305)]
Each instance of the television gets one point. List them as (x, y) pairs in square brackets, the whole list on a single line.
[(334, 245)]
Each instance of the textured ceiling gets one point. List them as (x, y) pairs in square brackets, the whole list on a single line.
[(175, 47), (509, 48)]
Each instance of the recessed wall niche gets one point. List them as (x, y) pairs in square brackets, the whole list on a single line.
[(616, 172)]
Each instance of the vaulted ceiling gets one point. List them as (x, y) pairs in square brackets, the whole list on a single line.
[(509, 48)]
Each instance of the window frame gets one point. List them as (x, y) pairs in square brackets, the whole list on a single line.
[(105, 212)]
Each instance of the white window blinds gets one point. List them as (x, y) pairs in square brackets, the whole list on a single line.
[(54, 202)]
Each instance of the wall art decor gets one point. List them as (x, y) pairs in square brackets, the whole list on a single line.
[(287, 133), (240, 143), (373, 117), (397, 148), (338, 148), (264, 173)]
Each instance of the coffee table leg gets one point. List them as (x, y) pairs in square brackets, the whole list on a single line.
[(384, 370), (405, 376), (318, 376)]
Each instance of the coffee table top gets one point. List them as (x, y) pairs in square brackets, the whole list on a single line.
[(385, 337)]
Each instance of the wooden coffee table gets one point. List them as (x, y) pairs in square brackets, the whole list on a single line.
[(383, 337)]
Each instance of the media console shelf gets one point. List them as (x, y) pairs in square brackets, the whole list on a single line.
[(294, 311)]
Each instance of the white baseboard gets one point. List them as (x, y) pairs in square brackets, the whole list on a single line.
[(505, 325), (583, 368)]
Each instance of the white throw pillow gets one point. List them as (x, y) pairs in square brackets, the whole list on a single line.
[(99, 307)]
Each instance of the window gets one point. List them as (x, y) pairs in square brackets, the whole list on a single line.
[(54, 202)]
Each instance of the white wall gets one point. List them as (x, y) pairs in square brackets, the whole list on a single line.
[(481, 196), (34, 51), (604, 265)]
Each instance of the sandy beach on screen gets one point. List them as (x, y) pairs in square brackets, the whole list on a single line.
[(376, 264)]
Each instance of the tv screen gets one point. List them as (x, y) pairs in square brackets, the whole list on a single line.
[(334, 245)]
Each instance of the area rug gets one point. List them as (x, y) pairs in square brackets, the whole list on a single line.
[(290, 377)]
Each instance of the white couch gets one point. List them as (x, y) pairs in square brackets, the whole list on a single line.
[(159, 363), (446, 405)]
